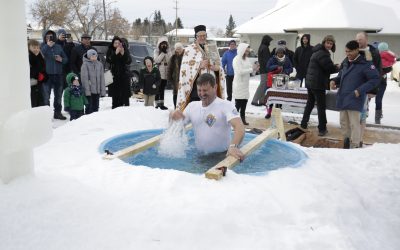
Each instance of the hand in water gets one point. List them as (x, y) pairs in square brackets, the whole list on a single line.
[(176, 115), (235, 152)]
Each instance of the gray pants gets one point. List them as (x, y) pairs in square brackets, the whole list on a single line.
[(351, 127), (259, 95), (149, 100)]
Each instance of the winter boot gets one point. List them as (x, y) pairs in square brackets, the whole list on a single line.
[(59, 116), (378, 116), (269, 111), (161, 105), (346, 143)]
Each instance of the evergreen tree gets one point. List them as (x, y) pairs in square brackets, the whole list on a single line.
[(180, 25), (230, 27)]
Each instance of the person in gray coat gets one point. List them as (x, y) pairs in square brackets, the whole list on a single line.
[(263, 56), (92, 77)]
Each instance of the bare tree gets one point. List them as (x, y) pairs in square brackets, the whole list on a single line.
[(117, 25), (85, 16), (49, 12)]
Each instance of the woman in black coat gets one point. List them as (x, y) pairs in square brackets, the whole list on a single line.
[(119, 58), (319, 70)]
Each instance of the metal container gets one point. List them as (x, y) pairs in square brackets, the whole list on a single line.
[(280, 81)]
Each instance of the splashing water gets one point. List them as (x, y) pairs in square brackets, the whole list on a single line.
[(174, 141)]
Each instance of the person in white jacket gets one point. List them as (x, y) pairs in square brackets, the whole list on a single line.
[(242, 68)]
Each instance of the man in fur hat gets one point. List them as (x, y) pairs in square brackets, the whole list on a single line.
[(196, 61)]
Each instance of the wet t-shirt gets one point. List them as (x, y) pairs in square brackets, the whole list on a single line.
[(212, 130)]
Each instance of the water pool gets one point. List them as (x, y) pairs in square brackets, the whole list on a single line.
[(273, 154)]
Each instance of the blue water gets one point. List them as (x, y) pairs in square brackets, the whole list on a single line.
[(271, 155)]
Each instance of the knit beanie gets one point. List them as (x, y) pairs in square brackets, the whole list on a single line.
[(383, 47), (91, 53), (71, 77), (61, 31)]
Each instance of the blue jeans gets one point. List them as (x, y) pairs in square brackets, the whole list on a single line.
[(54, 82)]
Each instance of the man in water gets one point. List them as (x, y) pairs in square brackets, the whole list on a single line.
[(212, 118)]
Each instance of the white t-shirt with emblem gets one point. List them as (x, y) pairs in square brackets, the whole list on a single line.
[(212, 130)]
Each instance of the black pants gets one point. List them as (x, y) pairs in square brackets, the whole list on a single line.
[(229, 81), (75, 114), (36, 95), (94, 102), (240, 105), (174, 97), (160, 95), (315, 95)]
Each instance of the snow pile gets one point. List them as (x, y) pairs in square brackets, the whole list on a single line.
[(338, 199)]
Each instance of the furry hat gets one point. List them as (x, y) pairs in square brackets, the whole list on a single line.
[(331, 39)]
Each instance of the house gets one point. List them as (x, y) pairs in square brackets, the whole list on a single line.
[(341, 18)]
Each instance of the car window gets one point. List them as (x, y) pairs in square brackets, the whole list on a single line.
[(139, 50)]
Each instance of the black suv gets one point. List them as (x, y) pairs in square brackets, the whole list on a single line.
[(138, 51)]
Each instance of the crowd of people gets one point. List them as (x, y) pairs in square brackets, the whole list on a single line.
[(196, 76)]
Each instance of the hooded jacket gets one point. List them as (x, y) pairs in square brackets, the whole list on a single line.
[(242, 68), (360, 75), (53, 67), (264, 53), (92, 77), (302, 56), (161, 59), (74, 98), (148, 79), (319, 69)]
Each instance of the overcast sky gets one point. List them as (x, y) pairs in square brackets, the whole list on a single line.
[(212, 13)]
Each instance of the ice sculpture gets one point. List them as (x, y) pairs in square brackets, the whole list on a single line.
[(21, 127)]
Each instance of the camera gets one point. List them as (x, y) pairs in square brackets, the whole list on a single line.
[(67, 35), (49, 37)]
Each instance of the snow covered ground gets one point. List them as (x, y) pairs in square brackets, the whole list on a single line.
[(338, 199)]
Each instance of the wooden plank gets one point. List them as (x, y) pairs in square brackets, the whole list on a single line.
[(276, 129), (230, 161), (137, 148)]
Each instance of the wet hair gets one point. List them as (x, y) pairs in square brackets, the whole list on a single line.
[(352, 45), (33, 42), (205, 79)]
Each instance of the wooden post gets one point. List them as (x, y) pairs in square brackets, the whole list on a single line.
[(277, 119)]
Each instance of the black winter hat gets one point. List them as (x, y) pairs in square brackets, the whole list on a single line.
[(199, 28)]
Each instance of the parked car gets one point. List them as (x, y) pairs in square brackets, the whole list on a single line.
[(138, 51)]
